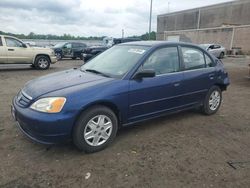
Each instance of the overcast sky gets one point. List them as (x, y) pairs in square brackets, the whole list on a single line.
[(87, 17)]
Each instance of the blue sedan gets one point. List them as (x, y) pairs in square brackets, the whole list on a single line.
[(126, 84)]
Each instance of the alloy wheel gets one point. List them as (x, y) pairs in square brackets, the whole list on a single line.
[(214, 100), (98, 130), (43, 63)]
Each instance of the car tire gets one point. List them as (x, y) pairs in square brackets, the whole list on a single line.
[(74, 58), (58, 56), (42, 62), (221, 55), (91, 136), (212, 101)]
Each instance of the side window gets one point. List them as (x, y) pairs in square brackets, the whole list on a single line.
[(209, 61), (83, 45), (211, 47), (193, 58), (164, 60), (216, 46), (1, 43), (75, 45), (10, 42), (68, 45)]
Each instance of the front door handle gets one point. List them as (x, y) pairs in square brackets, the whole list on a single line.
[(11, 50), (211, 76)]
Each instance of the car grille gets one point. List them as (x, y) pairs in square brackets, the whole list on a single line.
[(23, 100)]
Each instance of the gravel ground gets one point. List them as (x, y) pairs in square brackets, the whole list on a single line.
[(181, 150)]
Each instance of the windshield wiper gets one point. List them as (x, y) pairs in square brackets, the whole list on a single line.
[(96, 72)]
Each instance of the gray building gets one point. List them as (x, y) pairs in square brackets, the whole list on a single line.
[(227, 24)]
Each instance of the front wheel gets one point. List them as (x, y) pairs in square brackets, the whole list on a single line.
[(95, 129), (221, 55), (58, 56), (42, 62), (212, 101)]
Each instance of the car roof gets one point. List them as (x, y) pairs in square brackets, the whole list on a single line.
[(8, 36), (155, 43)]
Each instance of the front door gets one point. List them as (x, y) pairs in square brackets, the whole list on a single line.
[(67, 50), (17, 52), (3, 54), (152, 96)]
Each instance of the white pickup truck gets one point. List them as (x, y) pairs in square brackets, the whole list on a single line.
[(14, 51)]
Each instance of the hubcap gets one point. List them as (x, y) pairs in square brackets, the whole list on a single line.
[(58, 55), (214, 100), (43, 63), (98, 130)]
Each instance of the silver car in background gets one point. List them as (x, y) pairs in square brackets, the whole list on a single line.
[(215, 49)]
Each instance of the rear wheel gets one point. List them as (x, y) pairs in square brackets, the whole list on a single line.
[(212, 101), (42, 62), (95, 129)]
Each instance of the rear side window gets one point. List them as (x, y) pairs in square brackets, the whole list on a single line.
[(82, 45), (209, 61), (217, 46), (1, 43), (164, 60), (193, 58)]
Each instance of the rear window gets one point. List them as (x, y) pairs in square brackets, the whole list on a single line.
[(1, 44)]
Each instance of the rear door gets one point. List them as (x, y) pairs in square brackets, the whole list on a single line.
[(17, 52), (3, 53), (152, 96), (199, 76)]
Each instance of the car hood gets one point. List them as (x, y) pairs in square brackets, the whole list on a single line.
[(61, 80), (40, 48)]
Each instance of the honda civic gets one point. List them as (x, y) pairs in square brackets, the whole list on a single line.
[(126, 84)]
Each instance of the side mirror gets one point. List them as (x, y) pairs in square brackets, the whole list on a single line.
[(24, 45), (147, 73)]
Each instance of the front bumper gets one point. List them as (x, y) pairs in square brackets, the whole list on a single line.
[(41, 127), (53, 59), (87, 56)]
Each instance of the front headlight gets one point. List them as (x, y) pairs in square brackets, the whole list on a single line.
[(52, 52), (49, 105)]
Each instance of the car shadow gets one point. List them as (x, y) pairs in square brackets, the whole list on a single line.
[(21, 68), (124, 132), (156, 122)]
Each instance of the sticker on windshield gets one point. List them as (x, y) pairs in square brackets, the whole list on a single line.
[(137, 51)]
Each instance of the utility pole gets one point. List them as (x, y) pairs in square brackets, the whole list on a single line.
[(122, 33), (150, 20)]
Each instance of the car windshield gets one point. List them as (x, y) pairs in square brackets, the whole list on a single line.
[(59, 45), (204, 46), (116, 61)]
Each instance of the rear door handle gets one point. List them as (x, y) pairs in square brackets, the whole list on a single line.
[(176, 84), (11, 50)]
